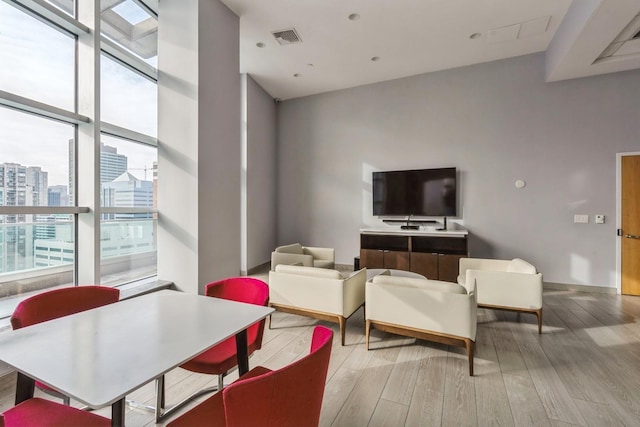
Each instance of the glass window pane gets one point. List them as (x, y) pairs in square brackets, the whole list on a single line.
[(127, 173), (127, 240), (128, 100), (36, 253), (128, 248), (129, 24), (34, 160), (38, 60)]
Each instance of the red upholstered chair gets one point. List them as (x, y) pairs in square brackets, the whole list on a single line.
[(38, 412), (58, 303), (222, 358), (287, 397)]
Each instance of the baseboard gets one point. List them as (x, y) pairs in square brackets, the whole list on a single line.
[(258, 269), (579, 288)]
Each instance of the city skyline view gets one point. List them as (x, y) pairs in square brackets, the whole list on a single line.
[(42, 68)]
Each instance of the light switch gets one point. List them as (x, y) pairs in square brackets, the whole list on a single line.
[(581, 219), (599, 219)]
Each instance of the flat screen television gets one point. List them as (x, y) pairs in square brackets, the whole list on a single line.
[(418, 192)]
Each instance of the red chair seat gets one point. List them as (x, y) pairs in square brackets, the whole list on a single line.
[(38, 412), (219, 359)]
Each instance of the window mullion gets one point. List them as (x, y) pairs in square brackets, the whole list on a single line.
[(88, 144)]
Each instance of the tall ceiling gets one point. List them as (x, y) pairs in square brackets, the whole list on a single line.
[(347, 43)]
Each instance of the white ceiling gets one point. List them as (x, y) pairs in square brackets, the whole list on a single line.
[(418, 36)]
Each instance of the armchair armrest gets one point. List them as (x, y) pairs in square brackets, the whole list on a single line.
[(353, 291), (326, 254), (500, 288)]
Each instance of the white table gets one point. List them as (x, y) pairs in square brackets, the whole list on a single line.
[(99, 356)]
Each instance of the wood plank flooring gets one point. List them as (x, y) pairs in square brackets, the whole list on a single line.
[(582, 371)]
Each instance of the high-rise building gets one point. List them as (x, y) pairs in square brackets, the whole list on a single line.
[(58, 195), (128, 191), (37, 185), (112, 165), (15, 244)]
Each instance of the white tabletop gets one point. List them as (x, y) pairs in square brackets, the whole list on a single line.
[(99, 356)]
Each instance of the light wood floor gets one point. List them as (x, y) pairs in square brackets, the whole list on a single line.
[(583, 370)]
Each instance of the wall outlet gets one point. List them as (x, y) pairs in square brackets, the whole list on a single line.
[(581, 219), (599, 219)]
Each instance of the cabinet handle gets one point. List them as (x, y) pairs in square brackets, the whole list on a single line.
[(632, 236)]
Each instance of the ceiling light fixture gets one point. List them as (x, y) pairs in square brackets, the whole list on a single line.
[(475, 36), (375, 58), (260, 45), (354, 17)]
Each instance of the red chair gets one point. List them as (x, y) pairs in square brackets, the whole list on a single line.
[(38, 412), (222, 358), (287, 397), (59, 303)]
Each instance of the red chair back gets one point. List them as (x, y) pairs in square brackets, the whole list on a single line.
[(291, 396), (61, 302), (248, 290)]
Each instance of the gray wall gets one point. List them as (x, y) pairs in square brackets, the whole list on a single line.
[(261, 175), (496, 122)]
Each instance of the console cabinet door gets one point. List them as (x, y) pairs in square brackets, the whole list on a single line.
[(448, 267), (371, 258), (425, 264), (396, 260)]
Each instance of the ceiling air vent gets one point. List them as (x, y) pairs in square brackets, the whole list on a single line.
[(288, 36)]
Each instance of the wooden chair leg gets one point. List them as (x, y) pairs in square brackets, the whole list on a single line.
[(539, 316), (367, 332), (470, 348), (343, 327)]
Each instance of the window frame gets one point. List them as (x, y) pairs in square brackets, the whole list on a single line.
[(89, 45)]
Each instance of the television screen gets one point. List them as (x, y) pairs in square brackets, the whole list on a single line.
[(420, 192)]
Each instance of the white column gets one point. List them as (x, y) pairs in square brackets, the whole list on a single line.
[(198, 143)]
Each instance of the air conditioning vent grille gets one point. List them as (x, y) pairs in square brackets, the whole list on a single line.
[(287, 36)]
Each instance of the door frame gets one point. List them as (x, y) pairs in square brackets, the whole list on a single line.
[(619, 157)]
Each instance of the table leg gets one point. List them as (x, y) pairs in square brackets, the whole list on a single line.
[(24, 388), (117, 413), (242, 352)]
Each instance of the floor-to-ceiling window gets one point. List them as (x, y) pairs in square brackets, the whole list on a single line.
[(78, 127)]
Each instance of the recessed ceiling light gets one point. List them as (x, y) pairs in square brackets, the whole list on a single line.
[(261, 45), (354, 17), (475, 36), (296, 75), (375, 58)]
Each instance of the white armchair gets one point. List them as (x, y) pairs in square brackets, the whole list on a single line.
[(425, 309), (316, 292), (303, 255), (512, 285)]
